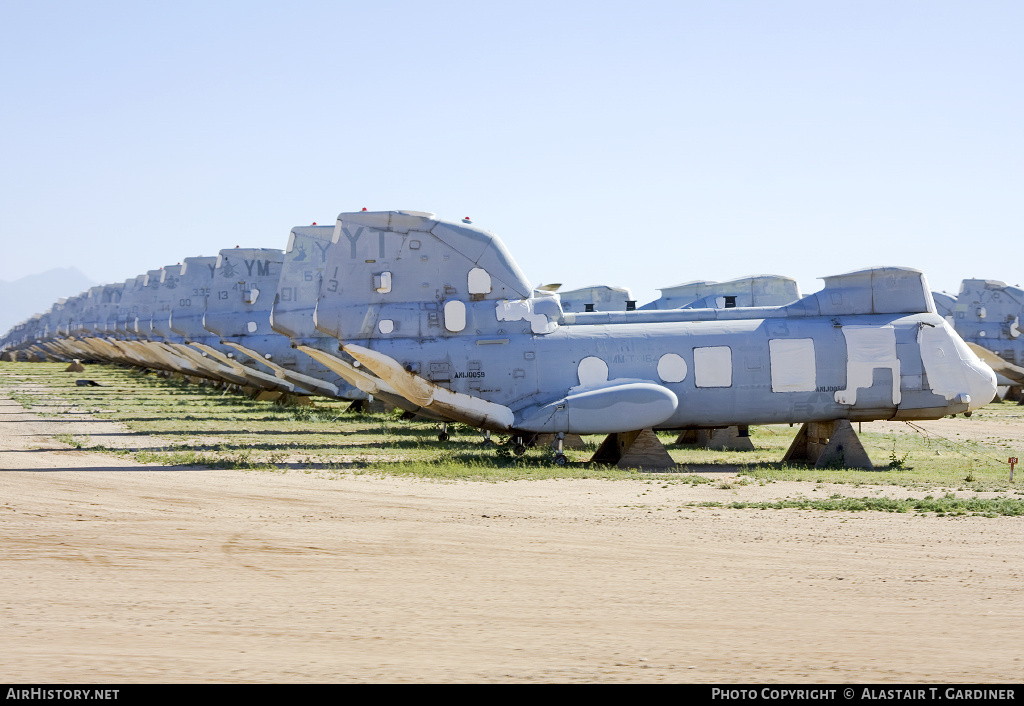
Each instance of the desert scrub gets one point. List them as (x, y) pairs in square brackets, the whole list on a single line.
[(203, 424), (947, 505)]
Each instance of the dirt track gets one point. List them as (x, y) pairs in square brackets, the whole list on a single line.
[(122, 573)]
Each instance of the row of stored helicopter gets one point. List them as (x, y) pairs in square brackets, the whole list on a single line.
[(436, 318)]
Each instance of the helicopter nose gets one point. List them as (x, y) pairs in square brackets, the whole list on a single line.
[(960, 375), (981, 384)]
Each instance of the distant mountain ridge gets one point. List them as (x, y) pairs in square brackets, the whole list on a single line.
[(35, 294)]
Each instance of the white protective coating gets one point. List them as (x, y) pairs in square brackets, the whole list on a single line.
[(672, 368), (522, 310), (712, 366), (592, 371), (454, 315), (941, 361), (382, 282), (792, 364), (386, 325), (251, 327), (867, 349), (251, 295), (944, 355), (479, 282)]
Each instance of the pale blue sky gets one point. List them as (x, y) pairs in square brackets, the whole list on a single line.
[(640, 144)]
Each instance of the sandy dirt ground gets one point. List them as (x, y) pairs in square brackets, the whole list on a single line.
[(119, 573)]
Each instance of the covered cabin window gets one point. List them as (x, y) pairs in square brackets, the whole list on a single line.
[(712, 366), (454, 316), (792, 364)]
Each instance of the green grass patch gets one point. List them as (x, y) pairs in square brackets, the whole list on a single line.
[(24, 399), (70, 440), (206, 425), (946, 505)]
